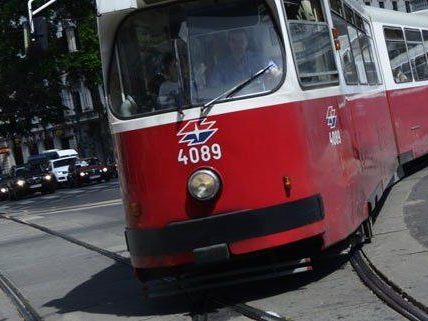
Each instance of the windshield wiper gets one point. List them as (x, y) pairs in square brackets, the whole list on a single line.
[(235, 89)]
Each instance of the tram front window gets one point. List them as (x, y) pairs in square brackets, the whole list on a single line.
[(187, 54)]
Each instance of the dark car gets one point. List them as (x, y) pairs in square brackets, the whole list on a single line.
[(4, 189), (88, 170), (30, 179)]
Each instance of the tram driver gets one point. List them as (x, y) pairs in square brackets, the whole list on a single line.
[(169, 88), (240, 63)]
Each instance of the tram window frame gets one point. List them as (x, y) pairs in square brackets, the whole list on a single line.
[(425, 40), (113, 60), (339, 12), (416, 42), (400, 39), (369, 33), (320, 84), (354, 71)]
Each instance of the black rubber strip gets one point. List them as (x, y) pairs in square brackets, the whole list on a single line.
[(27, 312)]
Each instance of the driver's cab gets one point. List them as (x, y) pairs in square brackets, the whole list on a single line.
[(186, 54)]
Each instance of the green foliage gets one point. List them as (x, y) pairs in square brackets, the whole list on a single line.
[(30, 87)]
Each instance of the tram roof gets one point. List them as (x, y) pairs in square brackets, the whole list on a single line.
[(391, 17)]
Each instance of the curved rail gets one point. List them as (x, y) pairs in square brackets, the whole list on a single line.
[(386, 290), (24, 308)]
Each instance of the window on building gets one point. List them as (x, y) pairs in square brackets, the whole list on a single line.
[(311, 43), (367, 3), (417, 55), (408, 8), (394, 5), (398, 57), (381, 4), (76, 102)]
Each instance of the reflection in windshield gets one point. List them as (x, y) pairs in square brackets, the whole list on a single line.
[(188, 54), (64, 162)]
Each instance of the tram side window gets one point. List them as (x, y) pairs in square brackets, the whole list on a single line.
[(311, 43), (358, 56), (346, 56), (369, 62), (418, 59), (373, 52), (398, 57), (425, 35)]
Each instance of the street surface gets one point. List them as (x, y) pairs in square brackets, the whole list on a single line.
[(65, 281)]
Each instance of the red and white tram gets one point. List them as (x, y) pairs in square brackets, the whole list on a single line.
[(248, 125)]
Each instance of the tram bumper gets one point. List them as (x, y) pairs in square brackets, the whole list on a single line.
[(209, 238)]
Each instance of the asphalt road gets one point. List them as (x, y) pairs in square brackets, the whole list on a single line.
[(65, 281)]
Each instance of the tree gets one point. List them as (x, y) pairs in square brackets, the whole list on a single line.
[(30, 87)]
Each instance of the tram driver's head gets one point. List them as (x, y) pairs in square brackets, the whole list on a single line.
[(238, 42)]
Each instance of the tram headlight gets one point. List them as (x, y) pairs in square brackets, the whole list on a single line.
[(204, 184)]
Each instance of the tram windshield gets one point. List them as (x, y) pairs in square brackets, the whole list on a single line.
[(187, 54)]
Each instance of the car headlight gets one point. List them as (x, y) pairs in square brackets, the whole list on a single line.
[(204, 184), (82, 174), (47, 177), (105, 169), (3, 190), (20, 182)]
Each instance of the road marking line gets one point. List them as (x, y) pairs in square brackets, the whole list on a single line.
[(76, 209), (50, 197), (71, 192)]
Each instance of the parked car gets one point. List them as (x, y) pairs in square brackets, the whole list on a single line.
[(59, 153), (30, 179), (87, 170), (4, 189), (59, 168)]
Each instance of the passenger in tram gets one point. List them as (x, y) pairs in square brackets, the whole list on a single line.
[(169, 88), (241, 63), (400, 76)]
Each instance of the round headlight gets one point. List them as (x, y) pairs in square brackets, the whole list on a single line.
[(20, 182), (48, 177), (82, 174), (3, 190), (105, 169), (204, 184)]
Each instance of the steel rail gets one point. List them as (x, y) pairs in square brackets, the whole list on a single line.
[(70, 239), (241, 308), (396, 298), (27, 312)]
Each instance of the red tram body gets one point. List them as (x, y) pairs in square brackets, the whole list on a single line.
[(307, 157)]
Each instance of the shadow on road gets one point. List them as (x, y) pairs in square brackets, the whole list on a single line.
[(115, 291)]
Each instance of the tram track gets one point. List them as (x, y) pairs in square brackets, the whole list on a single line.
[(385, 289), (29, 313), (388, 292)]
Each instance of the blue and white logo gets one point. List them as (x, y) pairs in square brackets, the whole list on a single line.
[(197, 132), (331, 117)]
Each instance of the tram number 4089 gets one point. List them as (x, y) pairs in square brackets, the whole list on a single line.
[(197, 154)]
